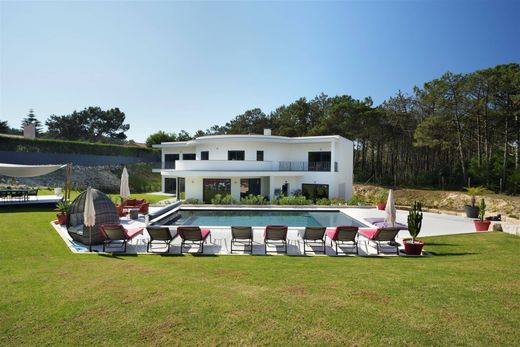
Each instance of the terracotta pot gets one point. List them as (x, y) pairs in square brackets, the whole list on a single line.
[(62, 218), (381, 206), (413, 248), (481, 225)]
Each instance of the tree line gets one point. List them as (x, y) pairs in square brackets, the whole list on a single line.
[(91, 124), (454, 131)]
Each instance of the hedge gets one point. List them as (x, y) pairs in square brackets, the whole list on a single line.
[(75, 147)]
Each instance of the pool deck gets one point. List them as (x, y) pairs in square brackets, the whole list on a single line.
[(434, 224)]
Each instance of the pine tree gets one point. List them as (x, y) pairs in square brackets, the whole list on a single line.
[(31, 119)]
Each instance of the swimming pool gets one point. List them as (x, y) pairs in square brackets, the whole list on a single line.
[(259, 218)]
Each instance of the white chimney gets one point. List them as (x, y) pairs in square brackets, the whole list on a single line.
[(29, 131), (267, 132)]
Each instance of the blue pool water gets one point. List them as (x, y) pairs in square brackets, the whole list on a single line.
[(259, 218)]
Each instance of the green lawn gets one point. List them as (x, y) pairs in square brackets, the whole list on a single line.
[(152, 198), (469, 294)]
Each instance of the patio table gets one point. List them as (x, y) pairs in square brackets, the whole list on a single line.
[(23, 194)]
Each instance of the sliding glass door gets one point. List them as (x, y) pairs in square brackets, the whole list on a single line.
[(214, 186)]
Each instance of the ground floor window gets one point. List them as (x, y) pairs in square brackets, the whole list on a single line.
[(214, 186), (315, 191), (250, 186), (170, 185)]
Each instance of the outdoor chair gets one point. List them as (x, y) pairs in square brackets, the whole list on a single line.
[(143, 209), (121, 211), (193, 235), (242, 236), (159, 234), (382, 236), (313, 235), (346, 234), (275, 235), (114, 234)]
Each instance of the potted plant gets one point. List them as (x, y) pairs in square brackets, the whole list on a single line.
[(472, 210), (480, 223), (415, 217), (381, 200), (63, 207)]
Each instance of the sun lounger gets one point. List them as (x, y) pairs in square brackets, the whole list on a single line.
[(116, 233), (275, 235), (159, 234), (346, 234), (313, 235), (193, 235), (243, 236), (382, 236)]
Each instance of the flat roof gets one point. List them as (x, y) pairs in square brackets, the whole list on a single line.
[(250, 138)]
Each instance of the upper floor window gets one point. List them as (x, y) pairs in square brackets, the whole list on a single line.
[(236, 155), (169, 161), (319, 161), (260, 155), (204, 155), (188, 156)]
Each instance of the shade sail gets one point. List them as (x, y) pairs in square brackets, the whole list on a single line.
[(19, 170)]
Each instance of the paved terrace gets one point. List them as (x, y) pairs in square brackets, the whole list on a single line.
[(434, 224)]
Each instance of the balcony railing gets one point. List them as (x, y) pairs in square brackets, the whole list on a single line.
[(244, 165)]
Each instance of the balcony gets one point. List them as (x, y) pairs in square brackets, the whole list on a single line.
[(243, 165)]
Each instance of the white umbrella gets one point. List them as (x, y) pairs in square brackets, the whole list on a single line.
[(124, 189), (89, 215), (390, 209)]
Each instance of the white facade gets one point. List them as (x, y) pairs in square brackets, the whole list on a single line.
[(319, 164)]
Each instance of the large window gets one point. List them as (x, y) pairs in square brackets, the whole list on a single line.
[(214, 186), (170, 185), (169, 161), (319, 161), (315, 191), (236, 155), (204, 155), (250, 186), (260, 155), (188, 156)]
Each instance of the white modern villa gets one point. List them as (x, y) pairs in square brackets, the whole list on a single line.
[(239, 165)]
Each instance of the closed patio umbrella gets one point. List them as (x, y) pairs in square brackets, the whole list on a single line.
[(89, 215), (390, 209), (124, 189)]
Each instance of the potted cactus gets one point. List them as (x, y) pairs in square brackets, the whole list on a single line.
[(381, 200), (415, 217), (480, 223), (63, 207)]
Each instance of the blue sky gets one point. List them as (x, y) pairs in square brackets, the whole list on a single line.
[(172, 65)]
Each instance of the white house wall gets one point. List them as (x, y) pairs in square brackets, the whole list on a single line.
[(340, 183)]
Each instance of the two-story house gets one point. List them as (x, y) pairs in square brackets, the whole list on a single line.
[(239, 165)]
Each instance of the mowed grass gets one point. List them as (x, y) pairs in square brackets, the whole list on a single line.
[(468, 294), (152, 198)]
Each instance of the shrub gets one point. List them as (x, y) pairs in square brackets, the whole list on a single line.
[(338, 201), (293, 200), (253, 200), (381, 196), (192, 201), (356, 200), (323, 201), (228, 200), (217, 198), (478, 191)]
